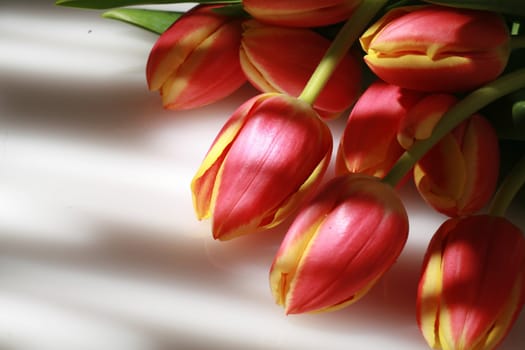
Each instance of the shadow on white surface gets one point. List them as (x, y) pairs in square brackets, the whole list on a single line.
[(99, 248)]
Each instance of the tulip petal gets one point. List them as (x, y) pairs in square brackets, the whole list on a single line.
[(283, 269), (305, 13), (369, 142), (304, 227), (459, 175), (203, 183), (302, 193), (480, 149), (440, 176), (430, 287), (421, 119), (510, 312)]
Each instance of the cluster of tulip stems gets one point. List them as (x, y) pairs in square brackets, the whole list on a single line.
[(430, 69)]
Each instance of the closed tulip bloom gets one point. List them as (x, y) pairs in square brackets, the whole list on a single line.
[(304, 13), (339, 245), (437, 49), (458, 176), (195, 62), (369, 143), (472, 285), (268, 157), (278, 59)]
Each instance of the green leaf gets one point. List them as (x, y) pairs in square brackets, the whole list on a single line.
[(107, 4), (155, 21), (510, 7)]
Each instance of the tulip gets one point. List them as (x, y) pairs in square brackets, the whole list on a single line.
[(472, 285), (269, 156), (437, 49), (339, 245), (458, 176), (305, 13), (422, 117), (195, 62), (278, 59), (369, 141)]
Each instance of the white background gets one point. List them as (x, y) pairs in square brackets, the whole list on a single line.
[(99, 247)]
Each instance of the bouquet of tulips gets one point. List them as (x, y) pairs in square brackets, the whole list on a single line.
[(432, 91)]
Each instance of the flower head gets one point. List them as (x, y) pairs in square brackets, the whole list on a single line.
[(278, 59), (195, 62), (268, 157), (437, 49), (473, 283), (458, 176), (369, 142), (339, 245)]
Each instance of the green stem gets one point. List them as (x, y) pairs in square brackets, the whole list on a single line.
[(508, 189), (517, 42), (459, 112), (340, 45)]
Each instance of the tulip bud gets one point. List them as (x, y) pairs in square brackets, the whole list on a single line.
[(278, 59), (458, 176), (268, 157), (437, 49), (195, 62), (369, 141), (304, 13), (339, 245), (472, 286)]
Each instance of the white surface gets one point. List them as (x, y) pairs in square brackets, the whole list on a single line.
[(99, 247)]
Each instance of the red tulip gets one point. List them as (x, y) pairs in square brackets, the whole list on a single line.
[(267, 159), (472, 286), (433, 48), (458, 176), (278, 59), (369, 142), (195, 62), (304, 13), (339, 245)]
